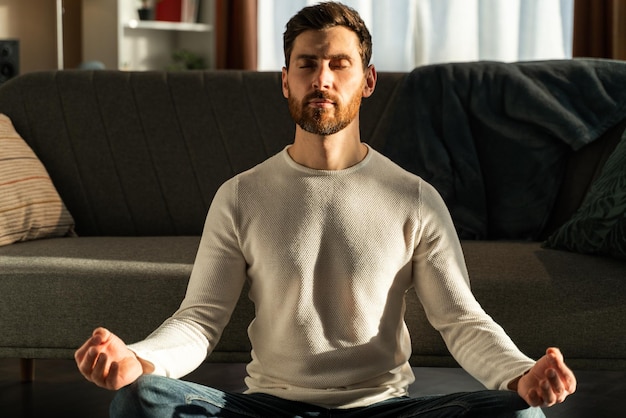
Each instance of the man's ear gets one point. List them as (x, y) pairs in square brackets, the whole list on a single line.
[(370, 81), (284, 83)]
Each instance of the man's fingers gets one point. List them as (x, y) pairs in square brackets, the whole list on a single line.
[(564, 373), (101, 367), (105, 360), (555, 381), (570, 383), (95, 340), (534, 399), (87, 363), (102, 333), (79, 354), (98, 337), (549, 382), (547, 394), (100, 372), (555, 354), (555, 389), (113, 376), (557, 362)]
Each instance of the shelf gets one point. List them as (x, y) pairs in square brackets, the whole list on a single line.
[(172, 26), (114, 35)]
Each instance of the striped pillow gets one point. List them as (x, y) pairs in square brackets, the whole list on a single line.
[(30, 207)]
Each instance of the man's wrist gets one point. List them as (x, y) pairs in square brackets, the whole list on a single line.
[(513, 384), (146, 366)]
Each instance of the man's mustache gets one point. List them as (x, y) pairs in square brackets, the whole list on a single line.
[(316, 95)]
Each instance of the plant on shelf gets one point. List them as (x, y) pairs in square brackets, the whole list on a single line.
[(145, 10), (186, 60)]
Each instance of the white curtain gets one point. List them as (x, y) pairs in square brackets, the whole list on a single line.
[(409, 33)]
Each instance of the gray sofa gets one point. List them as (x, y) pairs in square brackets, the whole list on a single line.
[(137, 158)]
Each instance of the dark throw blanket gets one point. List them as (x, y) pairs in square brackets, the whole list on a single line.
[(493, 137)]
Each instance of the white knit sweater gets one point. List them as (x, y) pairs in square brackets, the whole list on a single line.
[(329, 256)]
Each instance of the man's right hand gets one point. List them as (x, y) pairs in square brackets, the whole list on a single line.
[(105, 360)]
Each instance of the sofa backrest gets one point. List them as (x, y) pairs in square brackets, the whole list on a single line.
[(143, 153)]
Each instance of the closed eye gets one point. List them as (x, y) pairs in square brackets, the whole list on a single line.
[(306, 61), (340, 64)]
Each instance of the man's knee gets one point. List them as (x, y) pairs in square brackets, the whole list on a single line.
[(498, 404), (530, 413), (136, 399), (156, 396)]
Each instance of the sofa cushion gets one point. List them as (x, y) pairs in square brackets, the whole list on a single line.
[(30, 207), (54, 292), (599, 225), (544, 297)]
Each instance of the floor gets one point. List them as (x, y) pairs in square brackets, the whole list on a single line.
[(59, 390)]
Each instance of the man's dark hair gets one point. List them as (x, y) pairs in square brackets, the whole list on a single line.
[(324, 16)]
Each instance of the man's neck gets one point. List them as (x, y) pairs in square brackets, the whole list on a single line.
[(333, 152)]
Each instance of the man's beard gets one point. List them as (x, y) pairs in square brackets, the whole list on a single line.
[(324, 121)]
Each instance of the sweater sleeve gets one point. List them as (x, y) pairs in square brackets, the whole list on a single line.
[(184, 340), (442, 284)]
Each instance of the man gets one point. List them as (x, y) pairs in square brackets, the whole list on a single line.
[(340, 233)]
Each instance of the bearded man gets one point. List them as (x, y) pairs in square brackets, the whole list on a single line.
[(330, 235)]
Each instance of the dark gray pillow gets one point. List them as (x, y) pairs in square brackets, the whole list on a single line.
[(599, 225)]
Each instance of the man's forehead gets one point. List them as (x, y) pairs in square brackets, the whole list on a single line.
[(327, 43)]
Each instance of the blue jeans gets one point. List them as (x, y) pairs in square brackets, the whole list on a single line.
[(160, 397)]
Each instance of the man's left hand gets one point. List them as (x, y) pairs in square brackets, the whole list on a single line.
[(549, 382)]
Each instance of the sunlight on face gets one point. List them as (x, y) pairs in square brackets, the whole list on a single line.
[(325, 80)]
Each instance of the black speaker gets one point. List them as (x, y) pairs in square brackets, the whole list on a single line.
[(9, 59)]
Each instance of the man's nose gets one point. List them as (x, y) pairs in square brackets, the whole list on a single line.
[(323, 78)]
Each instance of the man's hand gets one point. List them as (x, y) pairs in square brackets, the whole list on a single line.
[(549, 382), (105, 360)]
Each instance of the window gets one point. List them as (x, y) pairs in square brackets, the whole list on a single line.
[(408, 33)]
